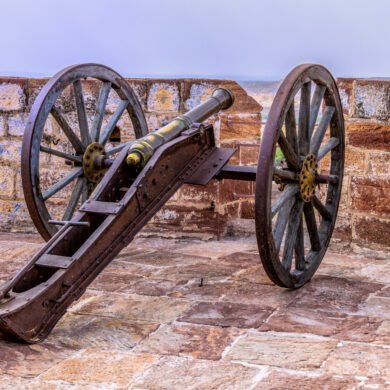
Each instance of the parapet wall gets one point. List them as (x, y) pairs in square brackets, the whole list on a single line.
[(227, 207), (200, 212)]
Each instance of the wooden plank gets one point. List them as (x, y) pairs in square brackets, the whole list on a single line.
[(288, 193), (325, 149), (304, 119), (316, 102), (54, 261), (300, 263), (311, 224), (322, 209), (281, 223), (291, 235), (291, 127), (58, 153), (72, 175), (74, 198), (321, 130), (288, 152), (113, 121), (72, 137), (100, 109), (81, 113)]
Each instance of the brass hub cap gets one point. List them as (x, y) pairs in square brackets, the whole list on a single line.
[(307, 177), (92, 162)]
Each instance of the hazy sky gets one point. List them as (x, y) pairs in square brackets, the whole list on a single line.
[(241, 39)]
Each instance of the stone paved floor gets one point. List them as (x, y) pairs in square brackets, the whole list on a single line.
[(172, 314)]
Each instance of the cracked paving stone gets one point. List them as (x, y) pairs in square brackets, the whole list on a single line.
[(28, 360), (281, 350), (277, 380), (259, 294), (197, 341), (360, 360), (226, 314), (103, 333), (338, 325), (100, 368), (376, 306), (114, 281), (176, 373), (132, 307), (337, 295)]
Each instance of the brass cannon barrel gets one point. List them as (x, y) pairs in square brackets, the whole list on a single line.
[(141, 151)]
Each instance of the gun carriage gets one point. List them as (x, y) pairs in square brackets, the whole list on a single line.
[(117, 189)]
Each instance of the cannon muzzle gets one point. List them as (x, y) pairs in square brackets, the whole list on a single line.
[(141, 151)]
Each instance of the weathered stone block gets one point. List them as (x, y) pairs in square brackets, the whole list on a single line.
[(282, 351), (371, 99), (17, 124), (198, 94), (345, 86), (370, 194), (177, 373), (10, 151), (12, 96), (163, 97), (240, 126), (343, 228), (7, 182), (369, 135), (227, 314), (197, 341), (247, 210), (3, 126), (371, 230), (359, 360), (379, 163), (355, 161), (101, 368), (249, 154)]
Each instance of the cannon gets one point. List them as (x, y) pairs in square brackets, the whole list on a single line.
[(117, 187)]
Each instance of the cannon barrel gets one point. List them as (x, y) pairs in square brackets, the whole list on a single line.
[(141, 151)]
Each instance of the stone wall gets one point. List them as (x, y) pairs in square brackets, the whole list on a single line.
[(201, 212), (365, 210), (227, 207)]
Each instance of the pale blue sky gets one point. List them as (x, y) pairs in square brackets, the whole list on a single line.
[(242, 39)]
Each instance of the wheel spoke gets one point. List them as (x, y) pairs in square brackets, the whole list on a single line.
[(284, 174), (118, 148), (57, 153), (76, 193), (85, 192), (315, 106), (113, 121), (100, 108), (72, 137), (321, 130), (291, 236), (291, 127), (288, 193), (81, 113), (288, 152), (330, 144), (72, 175), (304, 119), (300, 248), (311, 224), (322, 209), (281, 223)]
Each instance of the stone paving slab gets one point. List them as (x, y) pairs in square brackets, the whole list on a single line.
[(181, 314)]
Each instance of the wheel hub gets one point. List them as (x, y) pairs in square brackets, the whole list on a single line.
[(307, 179), (93, 166)]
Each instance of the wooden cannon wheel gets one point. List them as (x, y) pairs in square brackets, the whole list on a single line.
[(66, 136), (299, 175)]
